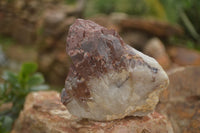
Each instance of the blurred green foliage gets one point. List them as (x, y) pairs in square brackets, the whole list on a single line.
[(156, 9), (129, 7), (4, 40), (105, 8), (14, 90), (133, 7), (183, 12), (70, 1)]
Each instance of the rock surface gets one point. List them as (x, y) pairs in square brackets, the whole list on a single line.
[(181, 101), (136, 39), (44, 113), (153, 27), (156, 49), (183, 56), (108, 79)]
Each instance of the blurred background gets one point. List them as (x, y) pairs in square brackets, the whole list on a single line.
[(35, 31)]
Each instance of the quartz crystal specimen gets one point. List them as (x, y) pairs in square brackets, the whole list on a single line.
[(108, 79)]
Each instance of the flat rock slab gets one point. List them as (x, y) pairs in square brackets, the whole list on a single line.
[(44, 113)]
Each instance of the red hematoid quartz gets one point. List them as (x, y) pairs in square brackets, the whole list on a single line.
[(100, 59)]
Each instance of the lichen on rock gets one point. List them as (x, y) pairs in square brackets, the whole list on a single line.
[(108, 79)]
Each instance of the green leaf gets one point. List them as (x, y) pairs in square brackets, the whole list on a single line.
[(36, 79), (39, 88), (2, 89), (28, 68), (15, 88), (2, 93), (10, 77), (6, 123)]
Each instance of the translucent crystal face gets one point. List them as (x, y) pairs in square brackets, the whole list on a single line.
[(109, 79)]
